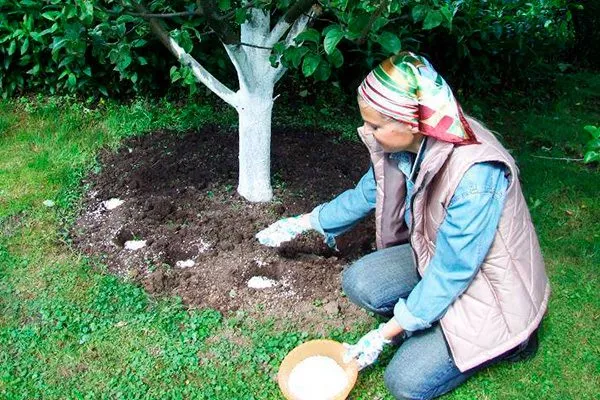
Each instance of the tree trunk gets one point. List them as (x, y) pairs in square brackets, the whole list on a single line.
[(255, 113)]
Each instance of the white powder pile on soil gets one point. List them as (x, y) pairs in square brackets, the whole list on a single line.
[(185, 264), (135, 244), (260, 282), (317, 378), (112, 203)]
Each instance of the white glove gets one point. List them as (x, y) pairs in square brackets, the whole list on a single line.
[(284, 230), (367, 349)]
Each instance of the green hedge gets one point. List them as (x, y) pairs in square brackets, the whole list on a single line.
[(59, 46)]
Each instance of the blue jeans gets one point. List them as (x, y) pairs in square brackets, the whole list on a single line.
[(422, 367)]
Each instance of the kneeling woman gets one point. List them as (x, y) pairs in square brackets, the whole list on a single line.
[(458, 268)]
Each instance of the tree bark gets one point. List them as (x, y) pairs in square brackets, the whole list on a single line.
[(255, 112)]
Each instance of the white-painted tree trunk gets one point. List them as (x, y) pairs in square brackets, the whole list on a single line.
[(254, 99), (255, 112)]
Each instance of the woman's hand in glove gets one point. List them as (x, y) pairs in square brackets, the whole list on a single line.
[(367, 349), (284, 230)]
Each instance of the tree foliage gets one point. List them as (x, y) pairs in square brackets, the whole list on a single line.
[(106, 47)]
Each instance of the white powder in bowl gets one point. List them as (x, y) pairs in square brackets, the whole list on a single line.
[(317, 378)]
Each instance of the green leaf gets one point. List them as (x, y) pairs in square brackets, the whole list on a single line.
[(121, 57), (447, 15), (138, 43), (593, 145), (189, 78), (390, 42), (433, 20), (591, 156), (274, 60), (309, 35), (224, 5), (12, 47), (358, 22), (310, 64), (336, 58), (36, 36), (241, 15), (66, 60), (52, 29), (59, 42), (88, 71), (419, 11), (51, 15), (332, 38), (174, 74), (593, 130), (25, 46), (323, 71), (125, 18), (183, 38), (142, 60), (294, 55), (69, 11), (35, 70), (72, 80), (87, 12)]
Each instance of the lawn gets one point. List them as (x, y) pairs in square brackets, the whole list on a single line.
[(70, 330)]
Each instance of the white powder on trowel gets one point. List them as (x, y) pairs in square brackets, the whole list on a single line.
[(317, 378), (112, 203), (135, 244), (260, 282)]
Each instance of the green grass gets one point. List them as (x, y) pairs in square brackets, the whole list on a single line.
[(67, 330)]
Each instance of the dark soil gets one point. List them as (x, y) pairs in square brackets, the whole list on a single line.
[(179, 195)]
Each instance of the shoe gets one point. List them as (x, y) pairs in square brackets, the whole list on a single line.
[(525, 351)]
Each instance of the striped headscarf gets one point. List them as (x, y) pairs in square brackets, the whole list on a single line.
[(407, 88)]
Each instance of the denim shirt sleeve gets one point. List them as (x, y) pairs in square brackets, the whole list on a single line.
[(463, 240), (346, 210)]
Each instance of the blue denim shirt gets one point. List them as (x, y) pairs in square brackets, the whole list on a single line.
[(462, 242)]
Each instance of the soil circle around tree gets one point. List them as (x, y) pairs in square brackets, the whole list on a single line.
[(163, 211)]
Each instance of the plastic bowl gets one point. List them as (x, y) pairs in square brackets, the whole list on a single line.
[(322, 347)]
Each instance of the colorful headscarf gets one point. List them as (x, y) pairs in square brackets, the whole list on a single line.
[(407, 88)]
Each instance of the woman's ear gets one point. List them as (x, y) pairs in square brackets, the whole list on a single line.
[(414, 130)]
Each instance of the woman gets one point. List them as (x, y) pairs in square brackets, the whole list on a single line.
[(458, 268)]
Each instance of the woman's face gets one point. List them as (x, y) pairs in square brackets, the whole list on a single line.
[(392, 135)]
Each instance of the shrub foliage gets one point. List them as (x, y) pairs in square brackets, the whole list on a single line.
[(90, 47)]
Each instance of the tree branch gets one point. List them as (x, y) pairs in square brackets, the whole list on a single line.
[(288, 19), (159, 15), (201, 74), (238, 58), (374, 16), (196, 12), (558, 158), (224, 29), (298, 27)]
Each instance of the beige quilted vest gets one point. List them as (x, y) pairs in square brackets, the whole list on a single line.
[(507, 298)]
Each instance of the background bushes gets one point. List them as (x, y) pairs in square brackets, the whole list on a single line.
[(488, 45), (586, 20)]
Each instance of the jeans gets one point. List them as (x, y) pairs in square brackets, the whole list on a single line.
[(422, 367)]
